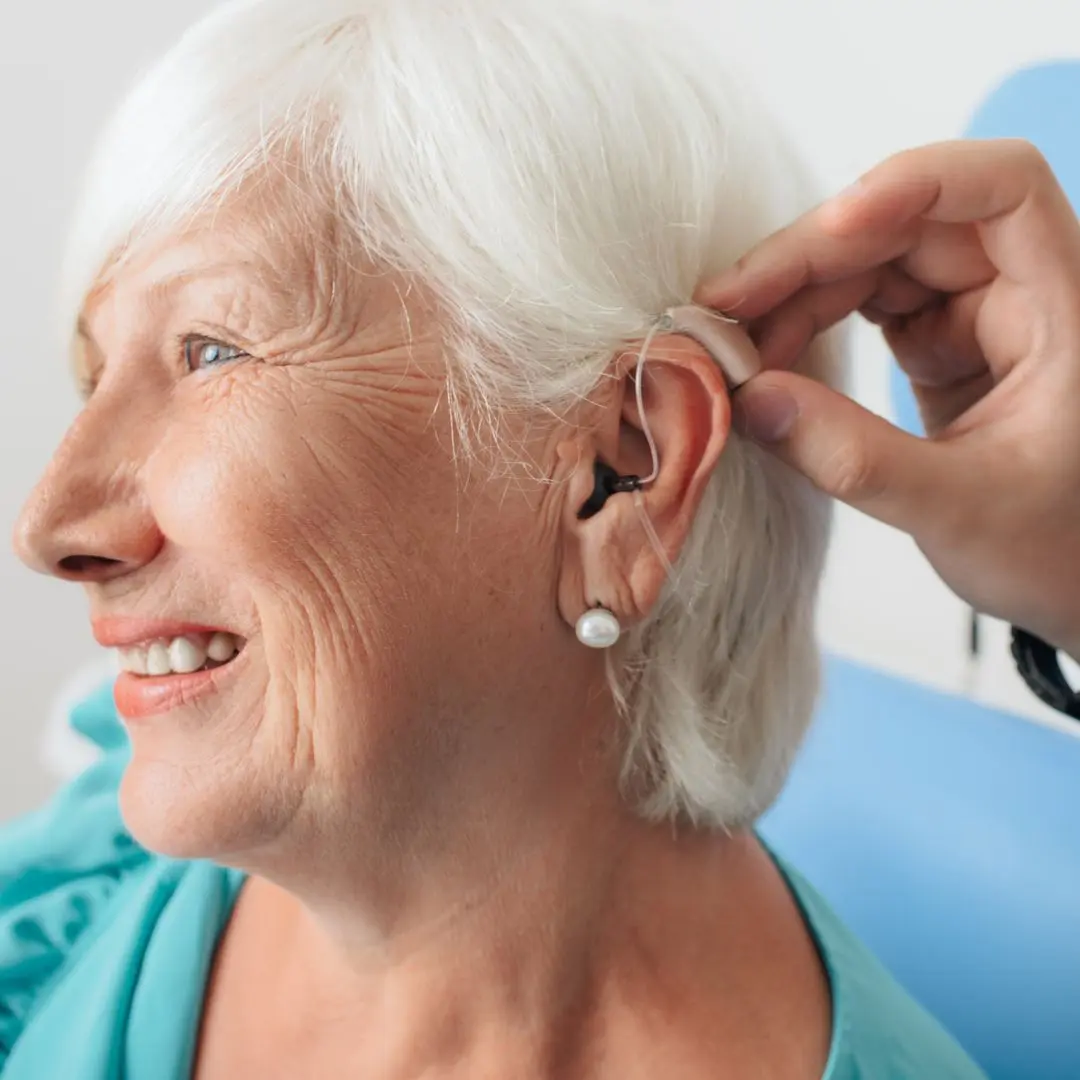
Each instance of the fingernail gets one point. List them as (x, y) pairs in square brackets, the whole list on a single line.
[(765, 414)]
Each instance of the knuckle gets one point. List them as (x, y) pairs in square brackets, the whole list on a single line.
[(913, 156), (851, 473), (914, 161), (740, 266), (1027, 156)]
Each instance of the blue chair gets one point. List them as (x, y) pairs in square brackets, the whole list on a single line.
[(948, 837), (1038, 103)]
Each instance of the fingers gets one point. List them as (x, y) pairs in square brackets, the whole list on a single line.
[(922, 196), (960, 181), (938, 351), (899, 294), (948, 258), (941, 408), (846, 451), (938, 346), (881, 294), (801, 257), (1005, 186), (783, 335)]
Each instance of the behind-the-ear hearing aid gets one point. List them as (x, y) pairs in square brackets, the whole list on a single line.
[(724, 340)]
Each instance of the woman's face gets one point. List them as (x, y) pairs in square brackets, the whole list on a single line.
[(266, 452)]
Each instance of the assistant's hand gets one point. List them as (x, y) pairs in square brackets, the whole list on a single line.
[(967, 254)]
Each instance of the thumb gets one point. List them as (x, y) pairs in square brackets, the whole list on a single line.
[(845, 450)]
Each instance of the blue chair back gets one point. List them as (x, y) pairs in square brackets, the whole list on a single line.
[(947, 836)]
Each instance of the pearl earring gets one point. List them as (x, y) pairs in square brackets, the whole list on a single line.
[(598, 628)]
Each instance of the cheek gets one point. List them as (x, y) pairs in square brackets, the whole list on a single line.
[(265, 493), (201, 495), (338, 530), (240, 488)]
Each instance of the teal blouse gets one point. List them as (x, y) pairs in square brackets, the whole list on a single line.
[(105, 950)]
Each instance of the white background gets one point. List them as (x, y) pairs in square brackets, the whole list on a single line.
[(853, 80)]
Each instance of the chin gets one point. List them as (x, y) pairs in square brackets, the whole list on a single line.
[(183, 812)]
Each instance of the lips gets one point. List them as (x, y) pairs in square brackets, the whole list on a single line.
[(140, 697), (167, 663), (118, 632)]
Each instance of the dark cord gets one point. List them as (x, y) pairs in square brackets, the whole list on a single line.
[(1040, 668)]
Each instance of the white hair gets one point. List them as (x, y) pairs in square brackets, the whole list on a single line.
[(557, 173)]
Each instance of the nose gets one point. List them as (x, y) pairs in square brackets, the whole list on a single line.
[(88, 519)]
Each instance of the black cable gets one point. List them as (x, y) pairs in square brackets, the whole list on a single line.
[(1040, 667)]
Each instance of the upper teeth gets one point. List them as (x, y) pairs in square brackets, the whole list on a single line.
[(179, 656)]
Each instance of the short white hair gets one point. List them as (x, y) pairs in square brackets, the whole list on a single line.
[(557, 173)]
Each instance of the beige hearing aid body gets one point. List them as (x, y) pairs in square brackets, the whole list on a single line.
[(723, 338)]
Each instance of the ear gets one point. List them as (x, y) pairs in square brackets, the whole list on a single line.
[(609, 559)]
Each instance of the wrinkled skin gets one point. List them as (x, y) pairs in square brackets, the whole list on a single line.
[(413, 755)]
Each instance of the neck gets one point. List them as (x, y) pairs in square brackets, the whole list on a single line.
[(541, 966), (530, 928)]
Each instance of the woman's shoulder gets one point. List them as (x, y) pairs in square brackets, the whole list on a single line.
[(879, 1030), (61, 868)]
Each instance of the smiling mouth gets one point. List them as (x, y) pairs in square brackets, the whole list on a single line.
[(186, 654)]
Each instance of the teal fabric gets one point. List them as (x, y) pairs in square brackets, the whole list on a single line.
[(105, 950)]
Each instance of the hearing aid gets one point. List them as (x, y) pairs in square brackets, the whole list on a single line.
[(606, 482), (721, 337), (733, 352)]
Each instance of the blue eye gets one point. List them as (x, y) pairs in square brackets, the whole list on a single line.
[(202, 353)]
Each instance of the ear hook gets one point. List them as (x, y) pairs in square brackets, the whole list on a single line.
[(721, 337)]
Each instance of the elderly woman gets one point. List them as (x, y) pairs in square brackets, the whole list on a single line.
[(381, 433)]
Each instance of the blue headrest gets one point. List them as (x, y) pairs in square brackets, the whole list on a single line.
[(1040, 104), (948, 837)]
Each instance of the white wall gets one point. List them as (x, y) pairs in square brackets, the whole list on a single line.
[(853, 79)]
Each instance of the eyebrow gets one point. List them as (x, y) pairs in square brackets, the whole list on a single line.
[(158, 294)]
